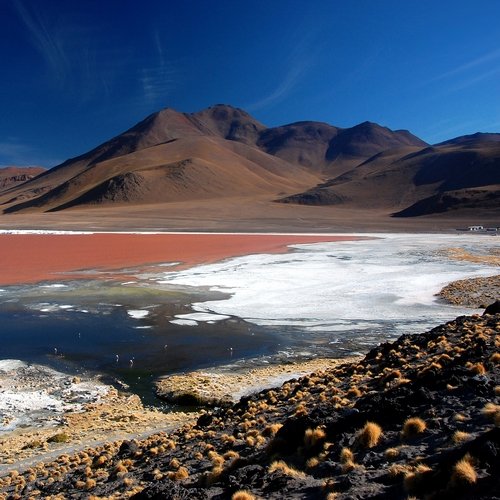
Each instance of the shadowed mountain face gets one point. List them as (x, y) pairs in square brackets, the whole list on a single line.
[(463, 173), (223, 152)]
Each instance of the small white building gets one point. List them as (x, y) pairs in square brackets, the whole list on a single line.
[(475, 228)]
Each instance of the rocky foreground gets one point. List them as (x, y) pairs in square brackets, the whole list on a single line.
[(415, 418)]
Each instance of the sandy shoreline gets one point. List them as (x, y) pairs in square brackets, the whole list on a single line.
[(30, 258), (227, 384), (105, 415)]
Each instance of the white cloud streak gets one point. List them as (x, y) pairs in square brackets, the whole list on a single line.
[(45, 40), (300, 62), (474, 63), (157, 81)]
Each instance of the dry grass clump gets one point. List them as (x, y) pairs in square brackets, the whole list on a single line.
[(300, 410), (460, 437), (354, 392), (414, 479), (215, 458), (312, 462), (60, 437), (347, 460), (280, 465), (495, 358), (271, 429), (492, 412), (180, 474), (464, 472), (214, 475), (392, 453), (369, 435), (313, 437), (243, 495), (413, 426), (476, 368)]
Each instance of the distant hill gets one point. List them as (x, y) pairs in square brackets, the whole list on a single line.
[(224, 153), (457, 174), (13, 176)]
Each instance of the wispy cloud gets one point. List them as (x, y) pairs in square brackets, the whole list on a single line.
[(45, 39), (157, 80), (299, 62), (469, 82), (472, 64)]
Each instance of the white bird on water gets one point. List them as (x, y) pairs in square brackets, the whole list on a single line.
[(117, 358), (132, 361)]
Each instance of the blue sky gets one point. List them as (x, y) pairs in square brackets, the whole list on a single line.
[(76, 73)]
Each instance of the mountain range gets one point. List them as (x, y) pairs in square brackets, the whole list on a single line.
[(223, 152)]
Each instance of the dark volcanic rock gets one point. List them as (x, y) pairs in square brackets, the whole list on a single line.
[(417, 417), (493, 308)]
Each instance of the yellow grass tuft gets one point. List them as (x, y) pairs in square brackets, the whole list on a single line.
[(231, 455), (312, 462), (413, 426), (460, 437), (369, 435), (272, 429), (415, 478), (243, 495), (174, 464), (347, 460), (464, 472), (392, 453), (214, 475), (280, 465), (477, 368), (346, 455), (312, 437), (492, 412), (495, 358)]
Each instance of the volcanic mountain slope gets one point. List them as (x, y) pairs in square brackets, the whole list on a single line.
[(461, 173), (222, 152), (188, 168), (14, 176), (416, 418)]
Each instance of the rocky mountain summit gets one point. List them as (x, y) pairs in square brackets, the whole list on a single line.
[(223, 153), (416, 418)]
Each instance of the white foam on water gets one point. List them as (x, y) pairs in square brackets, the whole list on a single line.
[(138, 313), (183, 322), (54, 285), (202, 317), (340, 285)]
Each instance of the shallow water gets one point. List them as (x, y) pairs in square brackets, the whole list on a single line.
[(318, 300)]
